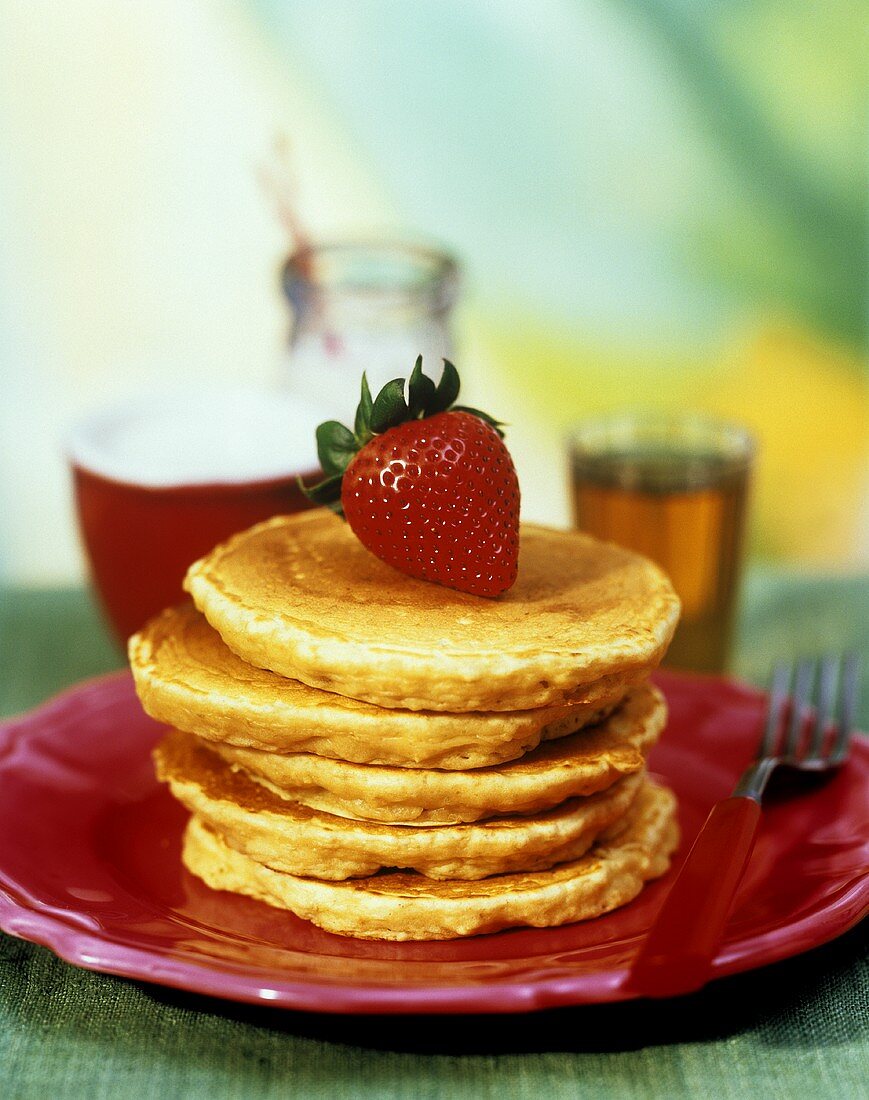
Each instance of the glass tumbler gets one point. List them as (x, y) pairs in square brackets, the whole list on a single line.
[(675, 488)]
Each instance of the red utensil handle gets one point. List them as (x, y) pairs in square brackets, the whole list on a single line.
[(678, 952)]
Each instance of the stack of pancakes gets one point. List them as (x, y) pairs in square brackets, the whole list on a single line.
[(391, 759)]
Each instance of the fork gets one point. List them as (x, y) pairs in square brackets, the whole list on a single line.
[(677, 954)]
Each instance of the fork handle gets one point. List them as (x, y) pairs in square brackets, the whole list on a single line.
[(678, 952)]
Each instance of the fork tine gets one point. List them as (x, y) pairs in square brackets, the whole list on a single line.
[(826, 703), (781, 679), (803, 680), (847, 711)]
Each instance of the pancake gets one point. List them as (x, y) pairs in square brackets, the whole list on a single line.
[(300, 595), (401, 906), (578, 765), (296, 839), (187, 678)]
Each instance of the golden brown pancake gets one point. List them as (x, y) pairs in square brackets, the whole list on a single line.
[(187, 678), (293, 838), (300, 595), (402, 906), (574, 766)]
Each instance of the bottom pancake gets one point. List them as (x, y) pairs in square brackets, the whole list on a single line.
[(406, 906)]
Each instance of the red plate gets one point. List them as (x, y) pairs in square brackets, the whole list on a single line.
[(90, 867)]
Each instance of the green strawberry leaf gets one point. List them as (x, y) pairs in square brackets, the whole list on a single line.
[(362, 425), (389, 408), (496, 424), (421, 392), (326, 492), (447, 389), (336, 445)]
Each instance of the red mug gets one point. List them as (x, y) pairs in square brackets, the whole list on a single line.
[(142, 524)]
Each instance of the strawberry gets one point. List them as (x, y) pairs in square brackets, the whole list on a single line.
[(426, 485)]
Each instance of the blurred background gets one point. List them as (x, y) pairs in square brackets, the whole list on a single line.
[(655, 202)]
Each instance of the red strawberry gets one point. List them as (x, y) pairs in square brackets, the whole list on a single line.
[(427, 486)]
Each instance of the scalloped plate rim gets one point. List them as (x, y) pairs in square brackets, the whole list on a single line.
[(105, 953)]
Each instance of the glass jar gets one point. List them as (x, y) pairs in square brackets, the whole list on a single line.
[(365, 306)]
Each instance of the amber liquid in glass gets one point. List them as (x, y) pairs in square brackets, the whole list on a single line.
[(690, 522)]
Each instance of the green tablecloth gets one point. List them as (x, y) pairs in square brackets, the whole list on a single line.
[(795, 1029)]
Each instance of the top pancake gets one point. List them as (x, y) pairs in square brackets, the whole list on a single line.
[(300, 595)]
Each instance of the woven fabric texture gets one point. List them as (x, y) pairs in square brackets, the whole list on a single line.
[(795, 1029)]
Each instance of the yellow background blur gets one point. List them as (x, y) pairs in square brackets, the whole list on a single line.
[(657, 203)]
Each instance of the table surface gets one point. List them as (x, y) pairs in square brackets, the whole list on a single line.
[(794, 1029)]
